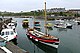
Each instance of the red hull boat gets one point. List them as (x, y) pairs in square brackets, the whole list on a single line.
[(43, 38)]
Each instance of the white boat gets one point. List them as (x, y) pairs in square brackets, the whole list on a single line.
[(15, 22), (59, 25), (8, 34), (68, 25), (78, 22), (11, 26), (62, 24)]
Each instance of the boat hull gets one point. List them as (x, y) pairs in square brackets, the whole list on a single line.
[(46, 42), (69, 26), (78, 23)]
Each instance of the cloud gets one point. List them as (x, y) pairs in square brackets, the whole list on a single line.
[(27, 5)]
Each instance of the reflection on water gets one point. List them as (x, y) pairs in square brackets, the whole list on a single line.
[(43, 47), (69, 39), (24, 27), (14, 41), (61, 29), (50, 28)]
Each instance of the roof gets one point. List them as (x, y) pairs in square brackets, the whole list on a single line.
[(6, 30), (74, 10)]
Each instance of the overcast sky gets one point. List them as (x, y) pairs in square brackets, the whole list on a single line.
[(28, 5)]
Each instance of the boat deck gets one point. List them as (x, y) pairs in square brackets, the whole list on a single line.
[(42, 35)]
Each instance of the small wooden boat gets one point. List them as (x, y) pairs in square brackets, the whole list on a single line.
[(36, 23), (25, 23), (43, 38), (78, 22), (62, 24), (68, 25), (49, 25), (37, 26)]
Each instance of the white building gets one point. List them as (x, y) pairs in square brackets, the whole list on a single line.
[(74, 11), (56, 10)]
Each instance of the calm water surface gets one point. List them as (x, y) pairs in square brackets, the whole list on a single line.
[(69, 39)]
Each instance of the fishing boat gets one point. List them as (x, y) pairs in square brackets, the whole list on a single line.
[(11, 26), (59, 25), (68, 25), (78, 22), (62, 24), (25, 23), (42, 46), (49, 26), (37, 25), (15, 22), (8, 34), (43, 38)]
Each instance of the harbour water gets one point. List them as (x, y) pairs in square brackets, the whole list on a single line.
[(69, 39)]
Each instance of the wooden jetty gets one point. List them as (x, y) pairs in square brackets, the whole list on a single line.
[(13, 48), (9, 45)]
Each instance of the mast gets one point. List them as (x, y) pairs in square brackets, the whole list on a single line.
[(34, 15), (45, 16)]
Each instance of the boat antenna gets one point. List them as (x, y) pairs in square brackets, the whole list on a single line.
[(45, 16)]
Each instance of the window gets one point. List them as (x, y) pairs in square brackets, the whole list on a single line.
[(7, 32), (2, 33), (12, 33)]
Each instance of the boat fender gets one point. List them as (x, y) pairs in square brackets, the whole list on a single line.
[(30, 37), (36, 40)]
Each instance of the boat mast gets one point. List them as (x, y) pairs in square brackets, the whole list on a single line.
[(45, 16), (34, 15)]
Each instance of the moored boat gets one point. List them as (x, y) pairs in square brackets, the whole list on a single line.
[(49, 25), (62, 24), (37, 26), (11, 26), (15, 22), (36, 23), (78, 22), (68, 25), (43, 38), (8, 34), (25, 22)]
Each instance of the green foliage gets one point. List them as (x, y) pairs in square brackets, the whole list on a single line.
[(38, 13)]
